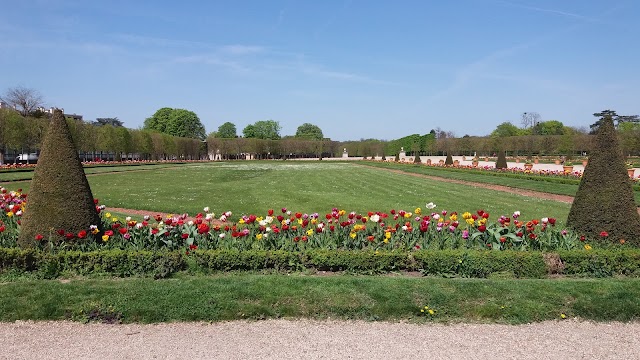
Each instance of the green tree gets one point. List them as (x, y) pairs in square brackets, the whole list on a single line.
[(60, 197), (185, 123), (227, 131), (506, 129), (265, 129), (176, 122), (604, 206), (617, 119), (551, 127), (309, 131), (108, 121), (249, 131)]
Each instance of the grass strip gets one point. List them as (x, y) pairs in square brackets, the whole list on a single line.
[(543, 183), (254, 296)]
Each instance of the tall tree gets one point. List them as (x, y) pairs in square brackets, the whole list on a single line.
[(265, 129), (114, 121), (506, 129), (60, 197), (309, 131), (550, 127), (176, 122), (249, 131), (604, 207), (227, 131), (25, 100), (529, 119), (617, 119)]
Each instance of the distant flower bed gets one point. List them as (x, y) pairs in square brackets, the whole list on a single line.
[(283, 229), (104, 163), (16, 166)]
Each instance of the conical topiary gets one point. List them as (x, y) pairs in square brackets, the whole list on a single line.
[(416, 159), (397, 159), (501, 162), (60, 198), (449, 160), (604, 206)]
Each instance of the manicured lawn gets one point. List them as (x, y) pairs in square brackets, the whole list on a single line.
[(247, 296), (28, 175), (536, 182), (254, 187)]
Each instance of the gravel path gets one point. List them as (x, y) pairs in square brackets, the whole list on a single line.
[(304, 339)]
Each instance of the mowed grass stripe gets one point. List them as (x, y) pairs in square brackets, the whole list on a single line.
[(254, 187), (306, 187), (251, 296)]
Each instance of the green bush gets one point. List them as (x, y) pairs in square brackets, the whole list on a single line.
[(448, 160), (604, 207), (446, 263), (60, 198), (501, 162), (601, 263), (481, 264)]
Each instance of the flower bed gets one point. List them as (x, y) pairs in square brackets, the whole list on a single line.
[(293, 231)]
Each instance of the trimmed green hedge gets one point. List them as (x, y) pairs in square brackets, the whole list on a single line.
[(447, 263)]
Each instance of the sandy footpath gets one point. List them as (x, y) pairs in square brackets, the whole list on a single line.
[(305, 339)]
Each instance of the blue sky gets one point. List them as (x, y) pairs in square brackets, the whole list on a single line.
[(356, 68)]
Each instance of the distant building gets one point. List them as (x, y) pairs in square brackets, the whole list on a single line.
[(50, 112)]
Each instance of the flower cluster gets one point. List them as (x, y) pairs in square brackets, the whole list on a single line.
[(284, 229)]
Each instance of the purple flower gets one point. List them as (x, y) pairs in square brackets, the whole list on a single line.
[(465, 234)]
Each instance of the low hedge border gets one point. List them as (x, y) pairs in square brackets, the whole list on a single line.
[(447, 263)]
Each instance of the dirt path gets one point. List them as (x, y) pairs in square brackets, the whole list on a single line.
[(307, 339)]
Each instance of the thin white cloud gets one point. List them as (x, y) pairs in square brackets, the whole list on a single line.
[(142, 40), (242, 49), (468, 72), (550, 11), (211, 59)]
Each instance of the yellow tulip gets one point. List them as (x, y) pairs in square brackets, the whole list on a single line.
[(105, 237), (258, 236)]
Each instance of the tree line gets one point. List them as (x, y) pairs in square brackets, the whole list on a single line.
[(23, 134)]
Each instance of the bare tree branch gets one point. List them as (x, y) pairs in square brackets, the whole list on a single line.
[(25, 100)]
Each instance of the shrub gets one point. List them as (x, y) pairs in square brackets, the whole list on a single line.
[(501, 162), (447, 263), (60, 197), (449, 160), (604, 205)]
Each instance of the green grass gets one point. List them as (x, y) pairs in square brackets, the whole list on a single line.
[(254, 187), (251, 296), (533, 182), (28, 175)]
